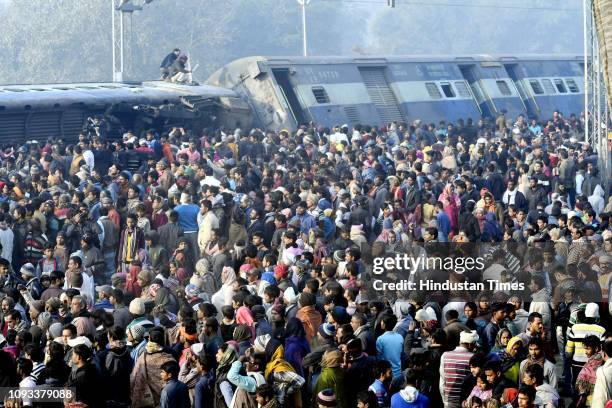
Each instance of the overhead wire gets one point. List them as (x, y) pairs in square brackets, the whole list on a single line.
[(445, 4)]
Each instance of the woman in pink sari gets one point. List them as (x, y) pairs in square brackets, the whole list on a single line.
[(452, 204)]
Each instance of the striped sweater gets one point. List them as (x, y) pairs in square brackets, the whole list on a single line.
[(454, 368), (575, 335)]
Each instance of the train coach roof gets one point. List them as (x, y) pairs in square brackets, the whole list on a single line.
[(65, 94), (281, 60)]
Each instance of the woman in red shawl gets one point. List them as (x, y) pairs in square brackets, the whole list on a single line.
[(131, 283), (509, 396), (452, 204)]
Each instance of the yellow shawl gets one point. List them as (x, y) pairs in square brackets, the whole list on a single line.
[(277, 363)]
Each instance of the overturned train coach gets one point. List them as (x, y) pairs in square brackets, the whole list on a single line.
[(36, 112), (283, 93), (286, 92)]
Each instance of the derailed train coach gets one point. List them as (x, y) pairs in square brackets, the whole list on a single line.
[(283, 93), (286, 92), (36, 112)]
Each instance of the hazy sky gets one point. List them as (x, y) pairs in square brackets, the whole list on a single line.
[(467, 26), (52, 40)]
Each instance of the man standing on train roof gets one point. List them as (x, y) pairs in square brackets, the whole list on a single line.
[(168, 61)]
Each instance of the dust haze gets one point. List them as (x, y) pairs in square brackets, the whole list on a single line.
[(70, 40)]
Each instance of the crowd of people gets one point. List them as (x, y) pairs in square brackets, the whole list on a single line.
[(233, 269)]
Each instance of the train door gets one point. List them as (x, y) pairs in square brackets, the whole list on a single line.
[(531, 106), (381, 94), (293, 103), (487, 107)]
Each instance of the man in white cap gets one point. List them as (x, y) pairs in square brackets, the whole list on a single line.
[(33, 286), (585, 326), (454, 367), (138, 310), (290, 301)]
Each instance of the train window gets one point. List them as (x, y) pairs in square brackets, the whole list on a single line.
[(432, 90), (462, 89), (537, 88), (503, 87), (560, 85), (573, 87), (548, 86), (447, 88), (320, 94)]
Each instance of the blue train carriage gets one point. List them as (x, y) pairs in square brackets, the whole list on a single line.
[(29, 112), (491, 86), (382, 90), (486, 86), (548, 83), (285, 92), (431, 89)]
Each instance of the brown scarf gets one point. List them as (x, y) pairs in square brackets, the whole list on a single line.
[(530, 361)]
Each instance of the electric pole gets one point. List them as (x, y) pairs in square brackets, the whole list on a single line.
[(304, 3)]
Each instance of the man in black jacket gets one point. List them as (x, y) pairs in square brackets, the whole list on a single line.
[(116, 367), (256, 223), (167, 62), (412, 193), (495, 182), (468, 222), (514, 197), (535, 194), (361, 216), (85, 377)]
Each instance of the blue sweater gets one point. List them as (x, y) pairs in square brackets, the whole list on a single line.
[(188, 217), (409, 397), (390, 347), (175, 394), (444, 226), (204, 390)]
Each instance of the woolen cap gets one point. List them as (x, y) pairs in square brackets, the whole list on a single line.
[(137, 307), (327, 398)]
